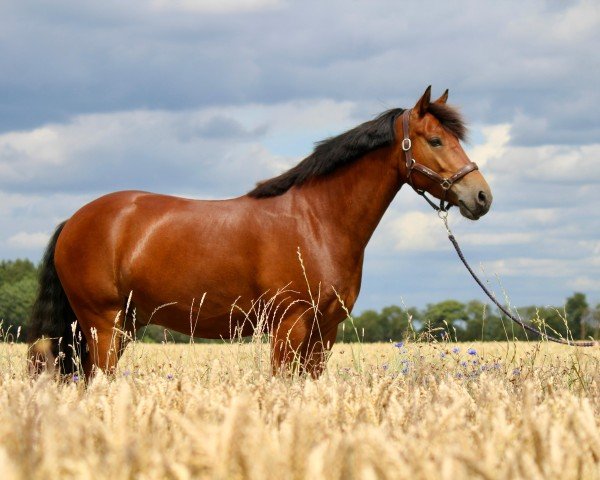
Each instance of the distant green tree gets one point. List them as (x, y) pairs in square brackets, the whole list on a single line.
[(594, 322), (576, 307), (158, 334), (445, 316), (391, 323), (396, 322), (16, 300), (548, 319), (13, 271), (18, 287), (483, 324), (366, 327)]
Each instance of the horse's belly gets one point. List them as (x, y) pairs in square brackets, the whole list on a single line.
[(203, 319)]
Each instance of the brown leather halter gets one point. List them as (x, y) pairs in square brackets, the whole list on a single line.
[(412, 165)]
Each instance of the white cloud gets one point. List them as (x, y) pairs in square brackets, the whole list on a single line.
[(534, 164), (499, 238), (577, 23), (213, 6), (530, 267), (28, 241), (528, 219), (592, 246), (26, 219), (213, 151), (585, 283), (160, 55), (562, 163), (414, 231), (494, 146)]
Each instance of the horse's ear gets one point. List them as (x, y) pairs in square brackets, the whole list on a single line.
[(423, 103), (443, 98)]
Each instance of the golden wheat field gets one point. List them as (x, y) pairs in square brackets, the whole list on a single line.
[(418, 411)]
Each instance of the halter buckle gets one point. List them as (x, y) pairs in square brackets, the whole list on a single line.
[(446, 184), (406, 144)]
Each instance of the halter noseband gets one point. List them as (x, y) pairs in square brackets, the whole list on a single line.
[(411, 165)]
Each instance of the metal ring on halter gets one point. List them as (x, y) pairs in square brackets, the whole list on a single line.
[(446, 184), (406, 144)]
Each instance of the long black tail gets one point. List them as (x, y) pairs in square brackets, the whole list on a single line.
[(50, 332)]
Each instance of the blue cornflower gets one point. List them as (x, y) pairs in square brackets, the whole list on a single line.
[(442, 354), (75, 377), (399, 344), (385, 366), (463, 364), (455, 350), (126, 373), (472, 351), (516, 371), (170, 376)]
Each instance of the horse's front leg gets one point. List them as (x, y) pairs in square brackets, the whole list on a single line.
[(317, 349), (289, 339)]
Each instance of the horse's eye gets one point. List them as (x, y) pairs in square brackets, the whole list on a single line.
[(435, 142)]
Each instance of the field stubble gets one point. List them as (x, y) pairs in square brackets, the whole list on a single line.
[(445, 410)]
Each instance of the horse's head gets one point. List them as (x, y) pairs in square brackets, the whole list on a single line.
[(432, 158)]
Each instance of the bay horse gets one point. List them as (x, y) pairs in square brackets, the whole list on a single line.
[(145, 250)]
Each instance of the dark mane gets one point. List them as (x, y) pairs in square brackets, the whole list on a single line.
[(335, 152), (450, 118)]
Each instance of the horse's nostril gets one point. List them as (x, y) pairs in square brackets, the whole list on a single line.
[(482, 198)]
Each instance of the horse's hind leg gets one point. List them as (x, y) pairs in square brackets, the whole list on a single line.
[(105, 341)]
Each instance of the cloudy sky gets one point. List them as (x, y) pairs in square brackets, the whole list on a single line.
[(203, 98)]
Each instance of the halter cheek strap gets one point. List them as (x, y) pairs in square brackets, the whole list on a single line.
[(412, 165)]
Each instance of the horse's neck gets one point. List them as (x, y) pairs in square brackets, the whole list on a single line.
[(351, 201)]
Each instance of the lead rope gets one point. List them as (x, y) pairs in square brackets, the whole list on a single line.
[(443, 207), (443, 214)]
